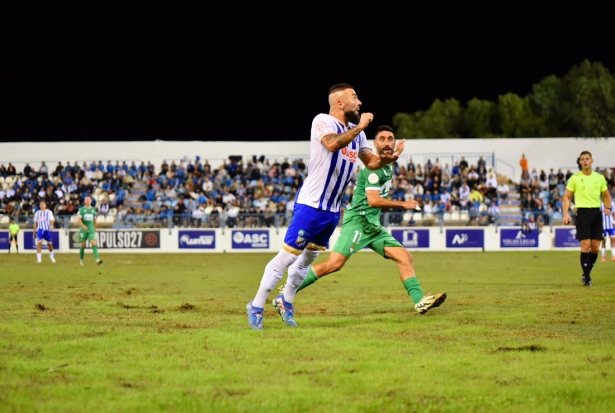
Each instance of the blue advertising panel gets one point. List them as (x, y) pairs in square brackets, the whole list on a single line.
[(566, 237), (250, 239), (197, 239), (412, 238), (516, 238), (30, 243), (465, 238), (4, 240)]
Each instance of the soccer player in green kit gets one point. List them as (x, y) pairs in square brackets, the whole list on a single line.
[(87, 232), (361, 228)]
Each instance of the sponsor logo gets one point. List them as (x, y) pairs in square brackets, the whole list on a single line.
[(197, 239), (469, 238), (248, 239), (412, 238), (516, 238), (120, 239), (352, 155), (565, 237)]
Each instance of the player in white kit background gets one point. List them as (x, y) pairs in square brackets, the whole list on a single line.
[(43, 225), (608, 232), (337, 140)]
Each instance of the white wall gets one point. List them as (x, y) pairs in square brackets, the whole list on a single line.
[(542, 153)]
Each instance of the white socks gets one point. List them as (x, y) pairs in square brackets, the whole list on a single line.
[(297, 273), (603, 250), (51, 255), (38, 256), (274, 271)]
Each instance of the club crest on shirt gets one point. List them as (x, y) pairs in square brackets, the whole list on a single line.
[(373, 178)]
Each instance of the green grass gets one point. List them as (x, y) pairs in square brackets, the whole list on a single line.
[(168, 333)]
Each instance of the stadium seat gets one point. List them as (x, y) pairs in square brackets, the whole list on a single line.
[(74, 219), (100, 219), (464, 215), (109, 219), (111, 197), (113, 211), (407, 217), (4, 219), (455, 216), (1, 180), (97, 191), (448, 216)]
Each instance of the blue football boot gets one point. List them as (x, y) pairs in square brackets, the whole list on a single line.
[(285, 310), (255, 316)]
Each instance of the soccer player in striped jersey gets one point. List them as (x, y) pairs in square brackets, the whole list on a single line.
[(609, 231), (337, 141), (43, 226)]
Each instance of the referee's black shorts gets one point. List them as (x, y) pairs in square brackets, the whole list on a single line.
[(589, 223), (13, 237)]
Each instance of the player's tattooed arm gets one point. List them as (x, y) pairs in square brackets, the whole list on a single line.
[(336, 141)]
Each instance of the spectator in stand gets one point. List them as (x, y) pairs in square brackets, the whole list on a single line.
[(534, 175), (419, 177), (481, 163), (473, 177), (43, 170), (525, 184), (463, 164), (103, 209), (464, 196), (568, 175), (493, 212), (523, 164), (503, 191), (197, 217)]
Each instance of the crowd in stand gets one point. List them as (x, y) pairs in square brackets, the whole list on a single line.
[(261, 193)]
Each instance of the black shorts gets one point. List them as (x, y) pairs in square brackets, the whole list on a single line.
[(13, 237), (589, 223)]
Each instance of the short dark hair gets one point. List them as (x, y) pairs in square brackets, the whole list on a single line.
[(339, 86), (586, 153), (386, 128)]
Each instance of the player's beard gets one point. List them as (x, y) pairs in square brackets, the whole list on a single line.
[(353, 117)]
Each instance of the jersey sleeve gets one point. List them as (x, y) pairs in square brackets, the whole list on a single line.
[(371, 179), (603, 184), (51, 218), (323, 125), (363, 144), (572, 184)]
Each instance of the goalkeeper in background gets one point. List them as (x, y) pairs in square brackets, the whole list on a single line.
[(87, 230), (361, 228)]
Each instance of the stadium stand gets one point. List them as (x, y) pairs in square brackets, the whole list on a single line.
[(260, 192)]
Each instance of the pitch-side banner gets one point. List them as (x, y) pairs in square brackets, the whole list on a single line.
[(4, 240), (30, 243), (250, 239), (412, 238), (197, 239), (566, 237), (516, 238), (465, 238), (120, 239)]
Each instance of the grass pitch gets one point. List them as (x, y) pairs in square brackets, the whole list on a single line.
[(168, 333)]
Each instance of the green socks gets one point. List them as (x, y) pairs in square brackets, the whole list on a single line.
[(414, 289), (81, 253), (95, 251), (309, 280)]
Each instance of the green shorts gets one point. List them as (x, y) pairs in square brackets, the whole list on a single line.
[(357, 234), (87, 235)]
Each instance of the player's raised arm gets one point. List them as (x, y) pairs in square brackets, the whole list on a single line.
[(376, 201), (336, 141)]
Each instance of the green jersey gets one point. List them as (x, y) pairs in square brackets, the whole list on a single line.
[(587, 189), (379, 180), (88, 215)]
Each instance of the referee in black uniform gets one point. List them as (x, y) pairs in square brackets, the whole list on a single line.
[(586, 186)]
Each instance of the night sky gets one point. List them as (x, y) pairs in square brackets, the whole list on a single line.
[(263, 74)]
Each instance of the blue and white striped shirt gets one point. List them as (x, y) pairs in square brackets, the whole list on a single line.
[(607, 220), (329, 173), (44, 219)]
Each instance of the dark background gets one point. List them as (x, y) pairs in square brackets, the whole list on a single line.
[(249, 73)]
